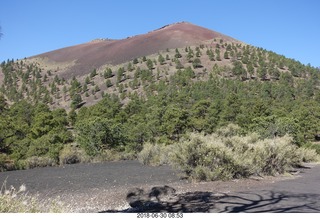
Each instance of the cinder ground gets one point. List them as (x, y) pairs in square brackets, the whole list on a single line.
[(103, 187)]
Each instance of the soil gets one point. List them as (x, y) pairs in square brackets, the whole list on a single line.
[(102, 187)]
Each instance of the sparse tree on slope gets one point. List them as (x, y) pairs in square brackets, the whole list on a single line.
[(196, 63), (161, 59), (149, 64), (177, 55)]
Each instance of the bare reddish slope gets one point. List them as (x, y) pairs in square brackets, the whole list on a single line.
[(95, 54)]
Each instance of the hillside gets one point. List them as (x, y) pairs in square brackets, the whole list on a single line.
[(84, 58), (82, 74), (109, 99)]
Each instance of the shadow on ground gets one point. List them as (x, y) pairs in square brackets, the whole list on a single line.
[(255, 202)]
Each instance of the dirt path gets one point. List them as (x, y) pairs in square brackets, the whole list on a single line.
[(103, 188)]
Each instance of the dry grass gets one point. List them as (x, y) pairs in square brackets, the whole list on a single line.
[(18, 201)]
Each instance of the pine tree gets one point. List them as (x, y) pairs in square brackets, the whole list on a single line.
[(135, 61), (177, 55), (120, 74), (198, 52), (161, 59), (108, 83), (226, 55), (210, 54), (72, 117), (96, 88), (107, 73), (238, 69), (84, 88), (93, 73), (190, 55), (196, 63), (87, 80), (149, 64), (130, 67), (218, 54), (75, 101), (178, 64), (262, 72), (144, 59)]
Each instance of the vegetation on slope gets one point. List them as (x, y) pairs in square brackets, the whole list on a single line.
[(41, 82), (112, 112)]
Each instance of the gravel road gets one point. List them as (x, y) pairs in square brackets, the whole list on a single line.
[(102, 187)]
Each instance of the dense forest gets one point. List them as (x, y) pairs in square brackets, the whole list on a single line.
[(256, 90)]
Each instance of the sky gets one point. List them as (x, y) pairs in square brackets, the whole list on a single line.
[(287, 27)]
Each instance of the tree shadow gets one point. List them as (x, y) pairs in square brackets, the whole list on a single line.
[(269, 201), (208, 202)]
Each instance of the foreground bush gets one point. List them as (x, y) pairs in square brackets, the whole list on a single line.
[(225, 156)]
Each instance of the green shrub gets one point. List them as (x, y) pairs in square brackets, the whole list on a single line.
[(308, 155), (207, 158), (227, 155), (313, 145), (275, 156), (154, 154)]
